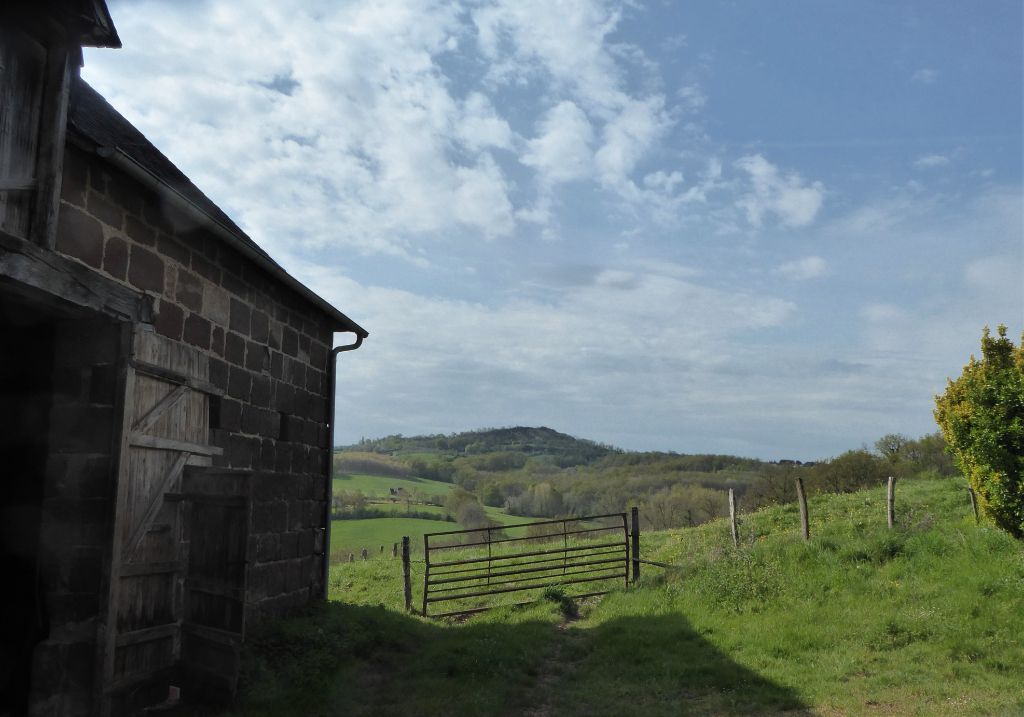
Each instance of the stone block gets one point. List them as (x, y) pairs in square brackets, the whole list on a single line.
[(274, 335), (250, 419), (230, 414), (283, 459), (261, 391), (260, 327), (289, 545), (318, 356), (218, 304), (197, 331), (240, 317), (313, 379), (217, 340), (104, 210), (239, 383), (145, 270), (257, 357), (267, 454), (235, 285), (289, 341), (293, 576), (237, 453), (219, 373), (80, 236), (307, 541), (137, 230), (268, 547), (189, 290), (205, 268), (125, 192), (74, 177), (115, 257), (234, 349), (277, 364), (270, 517), (174, 249), (284, 396), (170, 320)]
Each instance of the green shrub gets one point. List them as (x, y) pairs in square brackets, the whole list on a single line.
[(982, 417)]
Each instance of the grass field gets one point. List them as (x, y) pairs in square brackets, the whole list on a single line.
[(379, 486), (925, 619)]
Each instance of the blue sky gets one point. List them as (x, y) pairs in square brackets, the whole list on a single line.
[(769, 229)]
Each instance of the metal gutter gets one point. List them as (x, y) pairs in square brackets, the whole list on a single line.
[(332, 370), (120, 159)]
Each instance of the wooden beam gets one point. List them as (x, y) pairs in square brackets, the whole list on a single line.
[(42, 273), (131, 570), (166, 374), (147, 634), (50, 157), (169, 444), (163, 405), (17, 184)]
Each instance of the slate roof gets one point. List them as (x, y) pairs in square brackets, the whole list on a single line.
[(92, 117)]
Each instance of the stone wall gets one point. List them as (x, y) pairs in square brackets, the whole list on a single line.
[(76, 522), (268, 351)]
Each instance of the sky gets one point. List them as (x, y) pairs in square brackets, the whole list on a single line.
[(763, 229)]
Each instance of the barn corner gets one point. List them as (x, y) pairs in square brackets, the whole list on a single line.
[(166, 395)]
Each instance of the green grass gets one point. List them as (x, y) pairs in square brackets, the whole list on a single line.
[(379, 486), (925, 619), (351, 536)]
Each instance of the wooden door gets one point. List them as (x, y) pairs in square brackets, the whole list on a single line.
[(165, 427), (218, 521)]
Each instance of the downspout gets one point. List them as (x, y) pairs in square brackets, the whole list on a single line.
[(332, 370)]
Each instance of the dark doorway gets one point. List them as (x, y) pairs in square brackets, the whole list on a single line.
[(26, 387)]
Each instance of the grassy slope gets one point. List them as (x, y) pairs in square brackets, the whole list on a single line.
[(378, 486), (925, 619)]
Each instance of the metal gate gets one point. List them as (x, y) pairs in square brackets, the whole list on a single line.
[(466, 568)]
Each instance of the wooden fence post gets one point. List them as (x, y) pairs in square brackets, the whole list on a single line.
[(635, 514), (732, 519), (890, 502), (405, 574), (394, 550), (365, 554), (801, 497), (974, 505)]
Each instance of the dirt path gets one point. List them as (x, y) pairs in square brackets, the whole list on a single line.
[(552, 671)]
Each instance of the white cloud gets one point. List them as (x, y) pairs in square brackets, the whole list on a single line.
[(794, 202), (480, 125), (562, 151), (926, 76), (931, 161), (810, 267)]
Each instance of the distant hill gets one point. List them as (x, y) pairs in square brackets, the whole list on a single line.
[(534, 442)]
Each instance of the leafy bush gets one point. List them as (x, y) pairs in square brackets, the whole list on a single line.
[(982, 417)]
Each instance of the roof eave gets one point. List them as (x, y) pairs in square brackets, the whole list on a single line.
[(124, 162)]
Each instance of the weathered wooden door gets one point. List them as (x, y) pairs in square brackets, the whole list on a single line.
[(218, 520), (165, 427)]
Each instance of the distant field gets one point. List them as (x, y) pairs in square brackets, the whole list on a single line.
[(380, 485), (351, 536)]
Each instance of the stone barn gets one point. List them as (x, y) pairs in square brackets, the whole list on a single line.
[(165, 402)]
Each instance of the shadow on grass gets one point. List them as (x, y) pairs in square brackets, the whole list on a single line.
[(353, 660)]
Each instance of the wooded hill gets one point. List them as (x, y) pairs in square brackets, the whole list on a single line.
[(539, 472)]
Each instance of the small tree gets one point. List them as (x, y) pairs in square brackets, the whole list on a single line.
[(982, 417)]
